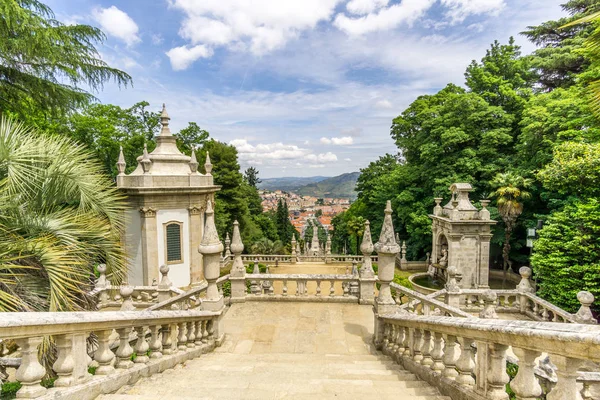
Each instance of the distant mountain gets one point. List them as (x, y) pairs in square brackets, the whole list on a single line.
[(289, 184), (341, 186)]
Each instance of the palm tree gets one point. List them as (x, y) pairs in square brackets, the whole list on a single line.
[(266, 246), (59, 216), (510, 193)]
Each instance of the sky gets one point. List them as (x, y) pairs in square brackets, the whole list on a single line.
[(299, 87)]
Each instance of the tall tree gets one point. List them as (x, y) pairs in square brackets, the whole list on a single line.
[(510, 193), (191, 137), (251, 177), (45, 64)]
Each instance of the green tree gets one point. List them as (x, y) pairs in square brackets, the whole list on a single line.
[(59, 217), (191, 137), (285, 229), (266, 246), (44, 64), (251, 177), (566, 257), (510, 193), (356, 226)]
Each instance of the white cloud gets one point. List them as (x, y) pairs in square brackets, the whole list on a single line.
[(406, 12), (385, 104), (259, 26), (339, 141), (157, 39), (458, 10), (183, 56), (117, 23), (347, 159), (278, 154), (361, 7)]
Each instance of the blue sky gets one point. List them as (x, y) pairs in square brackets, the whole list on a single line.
[(300, 87)]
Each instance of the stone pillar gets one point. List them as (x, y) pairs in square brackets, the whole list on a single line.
[(149, 245), (489, 309), (584, 314), (211, 249), (403, 253), (483, 277), (196, 228), (452, 288), (387, 250), (164, 287), (367, 275), (238, 271), (328, 249), (227, 244)]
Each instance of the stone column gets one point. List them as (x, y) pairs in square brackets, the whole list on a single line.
[(294, 254), (149, 245), (238, 271), (367, 275), (483, 278), (387, 250), (196, 228), (328, 249)]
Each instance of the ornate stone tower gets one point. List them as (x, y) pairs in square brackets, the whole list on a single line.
[(167, 198), (461, 237)]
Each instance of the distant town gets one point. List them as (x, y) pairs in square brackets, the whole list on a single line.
[(305, 208)]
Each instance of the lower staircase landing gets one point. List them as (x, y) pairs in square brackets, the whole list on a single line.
[(288, 350)]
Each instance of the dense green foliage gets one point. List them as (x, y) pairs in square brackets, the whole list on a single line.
[(59, 216), (44, 63), (523, 133)]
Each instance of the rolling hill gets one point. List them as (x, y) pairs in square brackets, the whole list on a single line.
[(341, 186), (289, 184)]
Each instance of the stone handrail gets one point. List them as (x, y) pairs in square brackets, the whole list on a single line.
[(142, 297), (466, 358), (174, 337), (542, 310), (417, 303), (282, 258), (183, 301), (262, 287)]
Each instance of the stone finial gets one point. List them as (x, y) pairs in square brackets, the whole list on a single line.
[(437, 210), (165, 282), (146, 162), (584, 315), (366, 246), (397, 238), (207, 164), (236, 243), (451, 284), (101, 281), (256, 269), (227, 244), (193, 162), (164, 121), (525, 284), (121, 164), (484, 213), (298, 248), (387, 242), (210, 243), (489, 309), (403, 252), (126, 292)]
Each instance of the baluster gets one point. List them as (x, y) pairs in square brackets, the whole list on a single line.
[(525, 385), (406, 344), (285, 288), (297, 288), (103, 355), (141, 346), (155, 342), (386, 337), (416, 346), (545, 314), (427, 361), (210, 326), (346, 288), (331, 288), (465, 363), (426, 310), (124, 351), (198, 333), (205, 332), (167, 341), (64, 364), (497, 377), (191, 337), (181, 337), (30, 372), (566, 386), (436, 353), (318, 288), (305, 287)]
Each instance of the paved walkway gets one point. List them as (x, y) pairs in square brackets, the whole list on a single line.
[(288, 350)]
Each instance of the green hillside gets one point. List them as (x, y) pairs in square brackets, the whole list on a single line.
[(341, 186)]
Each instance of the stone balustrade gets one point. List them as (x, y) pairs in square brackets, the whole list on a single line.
[(266, 258), (303, 287), (161, 340), (466, 358), (420, 304)]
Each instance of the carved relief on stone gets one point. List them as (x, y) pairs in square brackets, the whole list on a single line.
[(148, 212), (196, 210)]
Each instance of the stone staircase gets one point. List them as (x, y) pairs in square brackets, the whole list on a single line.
[(288, 350), (281, 376)]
